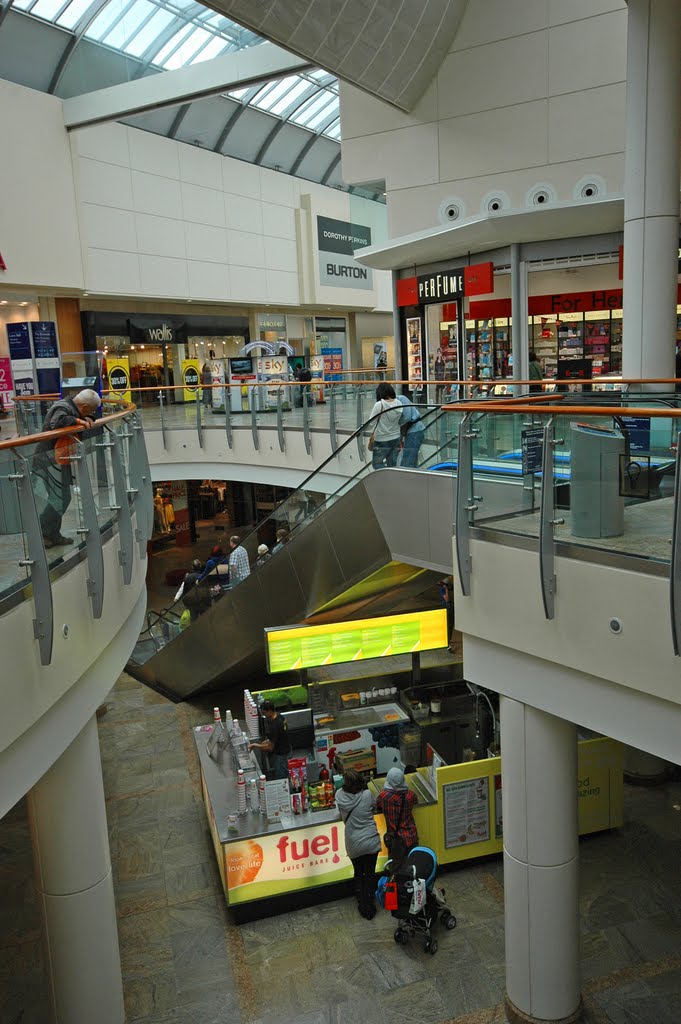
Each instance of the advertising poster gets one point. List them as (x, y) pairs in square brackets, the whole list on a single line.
[(337, 643), (178, 497), (337, 241), (414, 353), (282, 862), (217, 373), (380, 355), (466, 812), (317, 371), (272, 370), (191, 375), (46, 355), (119, 377), (333, 363), (21, 357), (241, 376), (6, 383)]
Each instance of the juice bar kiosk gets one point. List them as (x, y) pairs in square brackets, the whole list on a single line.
[(278, 837)]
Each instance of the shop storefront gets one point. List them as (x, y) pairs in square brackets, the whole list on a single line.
[(159, 348)]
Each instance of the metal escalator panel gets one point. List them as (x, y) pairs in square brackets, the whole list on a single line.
[(364, 554)]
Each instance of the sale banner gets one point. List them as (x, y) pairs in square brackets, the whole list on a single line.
[(190, 379), (119, 377)]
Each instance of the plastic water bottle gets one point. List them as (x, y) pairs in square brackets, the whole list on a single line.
[(261, 793)]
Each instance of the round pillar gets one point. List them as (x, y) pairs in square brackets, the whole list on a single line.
[(652, 167), (67, 816), (539, 780)]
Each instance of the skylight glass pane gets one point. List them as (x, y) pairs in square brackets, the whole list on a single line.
[(146, 35), (189, 47), (177, 38), (105, 19), (334, 130), (128, 25), (47, 9), (268, 99), (310, 109), (238, 94), (322, 115), (294, 93), (73, 13), (214, 47), (21, 5)]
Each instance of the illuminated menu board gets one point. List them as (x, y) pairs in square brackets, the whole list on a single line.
[(335, 643)]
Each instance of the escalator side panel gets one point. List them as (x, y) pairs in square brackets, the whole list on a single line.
[(385, 517)]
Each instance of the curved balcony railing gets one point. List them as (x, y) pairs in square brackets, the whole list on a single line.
[(92, 480), (575, 478), (333, 409)]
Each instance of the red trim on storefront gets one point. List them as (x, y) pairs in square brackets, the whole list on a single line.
[(407, 292), (449, 312), (478, 279), (542, 305)]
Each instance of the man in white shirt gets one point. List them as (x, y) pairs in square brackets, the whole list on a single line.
[(239, 566), (386, 427)]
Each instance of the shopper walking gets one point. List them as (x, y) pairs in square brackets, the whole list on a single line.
[(55, 476), (386, 427), (396, 801), (206, 381), (413, 432), (535, 371), (439, 375), (239, 566), (362, 841)]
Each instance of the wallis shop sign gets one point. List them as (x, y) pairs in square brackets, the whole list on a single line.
[(337, 241), (157, 330)]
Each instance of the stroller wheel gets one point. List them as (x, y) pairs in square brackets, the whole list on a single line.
[(431, 946), (400, 937), (448, 920)]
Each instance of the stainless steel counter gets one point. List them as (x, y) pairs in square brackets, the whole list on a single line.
[(365, 717), (220, 779)]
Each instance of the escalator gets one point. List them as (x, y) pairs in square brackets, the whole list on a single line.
[(377, 544)]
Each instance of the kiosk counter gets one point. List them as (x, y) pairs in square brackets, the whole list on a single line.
[(458, 815)]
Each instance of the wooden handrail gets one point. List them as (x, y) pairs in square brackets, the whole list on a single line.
[(50, 435)]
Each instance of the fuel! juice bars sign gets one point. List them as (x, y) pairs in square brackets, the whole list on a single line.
[(275, 864)]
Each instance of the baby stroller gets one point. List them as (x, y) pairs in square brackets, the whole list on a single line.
[(408, 890)]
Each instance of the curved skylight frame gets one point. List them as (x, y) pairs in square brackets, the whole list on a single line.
[(169, 34)]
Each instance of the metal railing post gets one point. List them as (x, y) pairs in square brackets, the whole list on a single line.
[(163, 422), (228, 416), (125, 554), (254, 420), (43, 623), (199, 421), (463, 503), (140, 481), (360, 423), (675, 566), (280, 419), (307, 436), (93, 538), (332, 418), (547, 521)]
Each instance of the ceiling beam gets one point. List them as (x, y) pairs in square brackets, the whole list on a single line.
[(331, 168), (170, 88)]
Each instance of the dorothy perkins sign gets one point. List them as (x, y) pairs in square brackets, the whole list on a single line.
[(337, 241)]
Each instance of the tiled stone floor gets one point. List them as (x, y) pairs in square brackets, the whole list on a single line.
[(185, 962)]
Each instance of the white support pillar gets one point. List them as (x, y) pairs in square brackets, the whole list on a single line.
[(651, 187), (539, 779), (75, 886)]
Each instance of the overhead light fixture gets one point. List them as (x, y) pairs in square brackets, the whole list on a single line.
[(23, 303)]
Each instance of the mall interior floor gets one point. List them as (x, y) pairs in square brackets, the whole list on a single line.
[(185, 962)]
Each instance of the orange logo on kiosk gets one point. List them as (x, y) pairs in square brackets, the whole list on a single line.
[(244, 863)]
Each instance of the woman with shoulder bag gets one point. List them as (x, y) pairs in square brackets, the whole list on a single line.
[(384, 443), (362, 841)]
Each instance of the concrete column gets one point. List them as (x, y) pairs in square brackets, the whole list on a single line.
[(539, 778), (652, 169), (75, 886)]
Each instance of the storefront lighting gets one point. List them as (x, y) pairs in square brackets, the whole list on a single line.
[(23, 303), (141, 346)]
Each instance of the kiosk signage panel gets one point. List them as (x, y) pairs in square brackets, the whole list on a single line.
[(531, 441), (466, 812), (336, 643)]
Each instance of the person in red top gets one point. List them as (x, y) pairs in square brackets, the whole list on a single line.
[(396, 801)]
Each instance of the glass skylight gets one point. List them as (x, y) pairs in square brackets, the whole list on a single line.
[(170, 34)]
